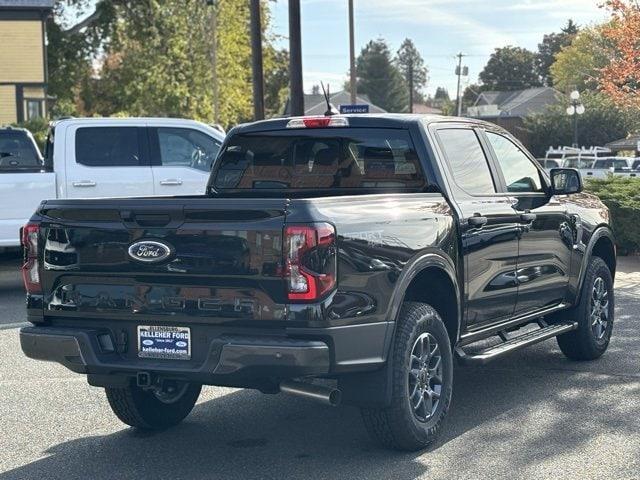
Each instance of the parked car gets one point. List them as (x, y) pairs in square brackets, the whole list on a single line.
[(548, 164), (578, 163), (22, 182), (620, 166), (367, 249), (107, 157)]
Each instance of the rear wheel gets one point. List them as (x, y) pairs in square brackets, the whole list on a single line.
[(594, 315), (153, 409), (421, 385)]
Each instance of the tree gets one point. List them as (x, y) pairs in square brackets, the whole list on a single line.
[(379, 78), (156, 61), (551, 45), (601, 123), (441, 94), (510, 68), (276, 80), (620, 79), (578, 65), (413, 70)]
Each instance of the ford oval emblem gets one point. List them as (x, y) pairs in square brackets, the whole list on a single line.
[(150, 251), (181, 344), (147, 342)]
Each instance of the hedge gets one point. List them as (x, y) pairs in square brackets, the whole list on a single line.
[(622, 196)]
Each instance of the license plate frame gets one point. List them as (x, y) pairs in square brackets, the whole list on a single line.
[(164, 342)]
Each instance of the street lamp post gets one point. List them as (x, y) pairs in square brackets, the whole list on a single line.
[(575, 109)]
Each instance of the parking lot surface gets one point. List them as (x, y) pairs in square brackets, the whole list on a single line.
[(534, 414)]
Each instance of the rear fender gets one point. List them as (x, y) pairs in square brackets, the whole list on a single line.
[(373, 389)]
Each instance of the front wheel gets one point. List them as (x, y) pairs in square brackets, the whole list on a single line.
[(594, 315), (422, 378), (153, 409)]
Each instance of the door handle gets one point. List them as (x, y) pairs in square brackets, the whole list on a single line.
[(528, 217), (171, 181), (84, 183), (477, 220)]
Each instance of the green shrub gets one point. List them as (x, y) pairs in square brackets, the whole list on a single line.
[(622, 196), (38, 128)]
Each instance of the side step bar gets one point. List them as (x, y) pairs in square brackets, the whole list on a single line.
[(515, 343)]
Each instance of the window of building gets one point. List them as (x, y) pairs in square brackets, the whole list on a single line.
[(34, 109)]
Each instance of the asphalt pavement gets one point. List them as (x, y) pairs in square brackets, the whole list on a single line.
[(533, 414)]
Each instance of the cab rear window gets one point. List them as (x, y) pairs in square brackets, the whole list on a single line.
[(17, 152), (348, 158)]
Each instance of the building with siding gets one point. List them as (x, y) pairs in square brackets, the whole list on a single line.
[(23, 59)]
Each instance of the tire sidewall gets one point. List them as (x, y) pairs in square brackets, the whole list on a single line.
[(597, 269), (429, 322)]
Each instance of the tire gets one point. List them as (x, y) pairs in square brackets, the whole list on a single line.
[(399, 426), (591, 339), (147, 410)]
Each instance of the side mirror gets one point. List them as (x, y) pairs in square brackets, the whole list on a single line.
[(565, 181)]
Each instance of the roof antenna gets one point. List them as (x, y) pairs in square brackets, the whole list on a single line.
[(331, 110)]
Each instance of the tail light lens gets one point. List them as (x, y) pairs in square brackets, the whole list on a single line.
[(30, 268), (310, 261)]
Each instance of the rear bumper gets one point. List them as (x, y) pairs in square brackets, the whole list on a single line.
[(232, 360)]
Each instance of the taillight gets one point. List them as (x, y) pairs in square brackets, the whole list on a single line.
[(310, 260), (30, 268), (318, 122)]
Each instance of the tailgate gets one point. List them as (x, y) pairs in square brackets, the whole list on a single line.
[(180, 258)]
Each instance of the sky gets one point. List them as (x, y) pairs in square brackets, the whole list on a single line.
[(439, 28)]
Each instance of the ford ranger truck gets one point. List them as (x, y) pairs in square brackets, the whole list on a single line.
[(340, 258)]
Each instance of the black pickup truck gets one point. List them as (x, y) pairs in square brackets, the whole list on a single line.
[(339, 258)]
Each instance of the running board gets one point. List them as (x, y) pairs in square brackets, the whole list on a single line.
[(515, 343)]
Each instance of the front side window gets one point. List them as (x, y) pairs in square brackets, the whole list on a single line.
[(347, 158), (183, 147), (467, 160), (520, 173), (108, 146)]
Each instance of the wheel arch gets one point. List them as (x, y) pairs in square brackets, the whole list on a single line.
[(601, 244), (431, 279)]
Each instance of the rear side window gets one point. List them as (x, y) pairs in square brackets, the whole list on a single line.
[(17, 152), (108, 146), (467, 160), (348, 158)]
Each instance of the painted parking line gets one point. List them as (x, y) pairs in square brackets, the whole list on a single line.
[(8, 326)]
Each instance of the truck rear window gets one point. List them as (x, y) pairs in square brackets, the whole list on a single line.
[(348, 158), (17, 152)]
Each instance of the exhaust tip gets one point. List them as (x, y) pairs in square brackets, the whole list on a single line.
[(319, 393)]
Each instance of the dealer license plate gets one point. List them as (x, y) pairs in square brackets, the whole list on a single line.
[(169, 343)]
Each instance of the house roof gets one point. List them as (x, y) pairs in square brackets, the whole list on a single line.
[(315, 104), (26, 4), (426, 109), (518, 103), (631, 143)]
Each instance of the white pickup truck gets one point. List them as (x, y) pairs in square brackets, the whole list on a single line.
[(102, 157)]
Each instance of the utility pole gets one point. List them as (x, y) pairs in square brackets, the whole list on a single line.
[(458, 96), (256, 60), (352, 56), (295, 62), (214, 58)]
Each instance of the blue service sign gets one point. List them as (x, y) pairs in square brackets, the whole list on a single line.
[(363, 108)]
